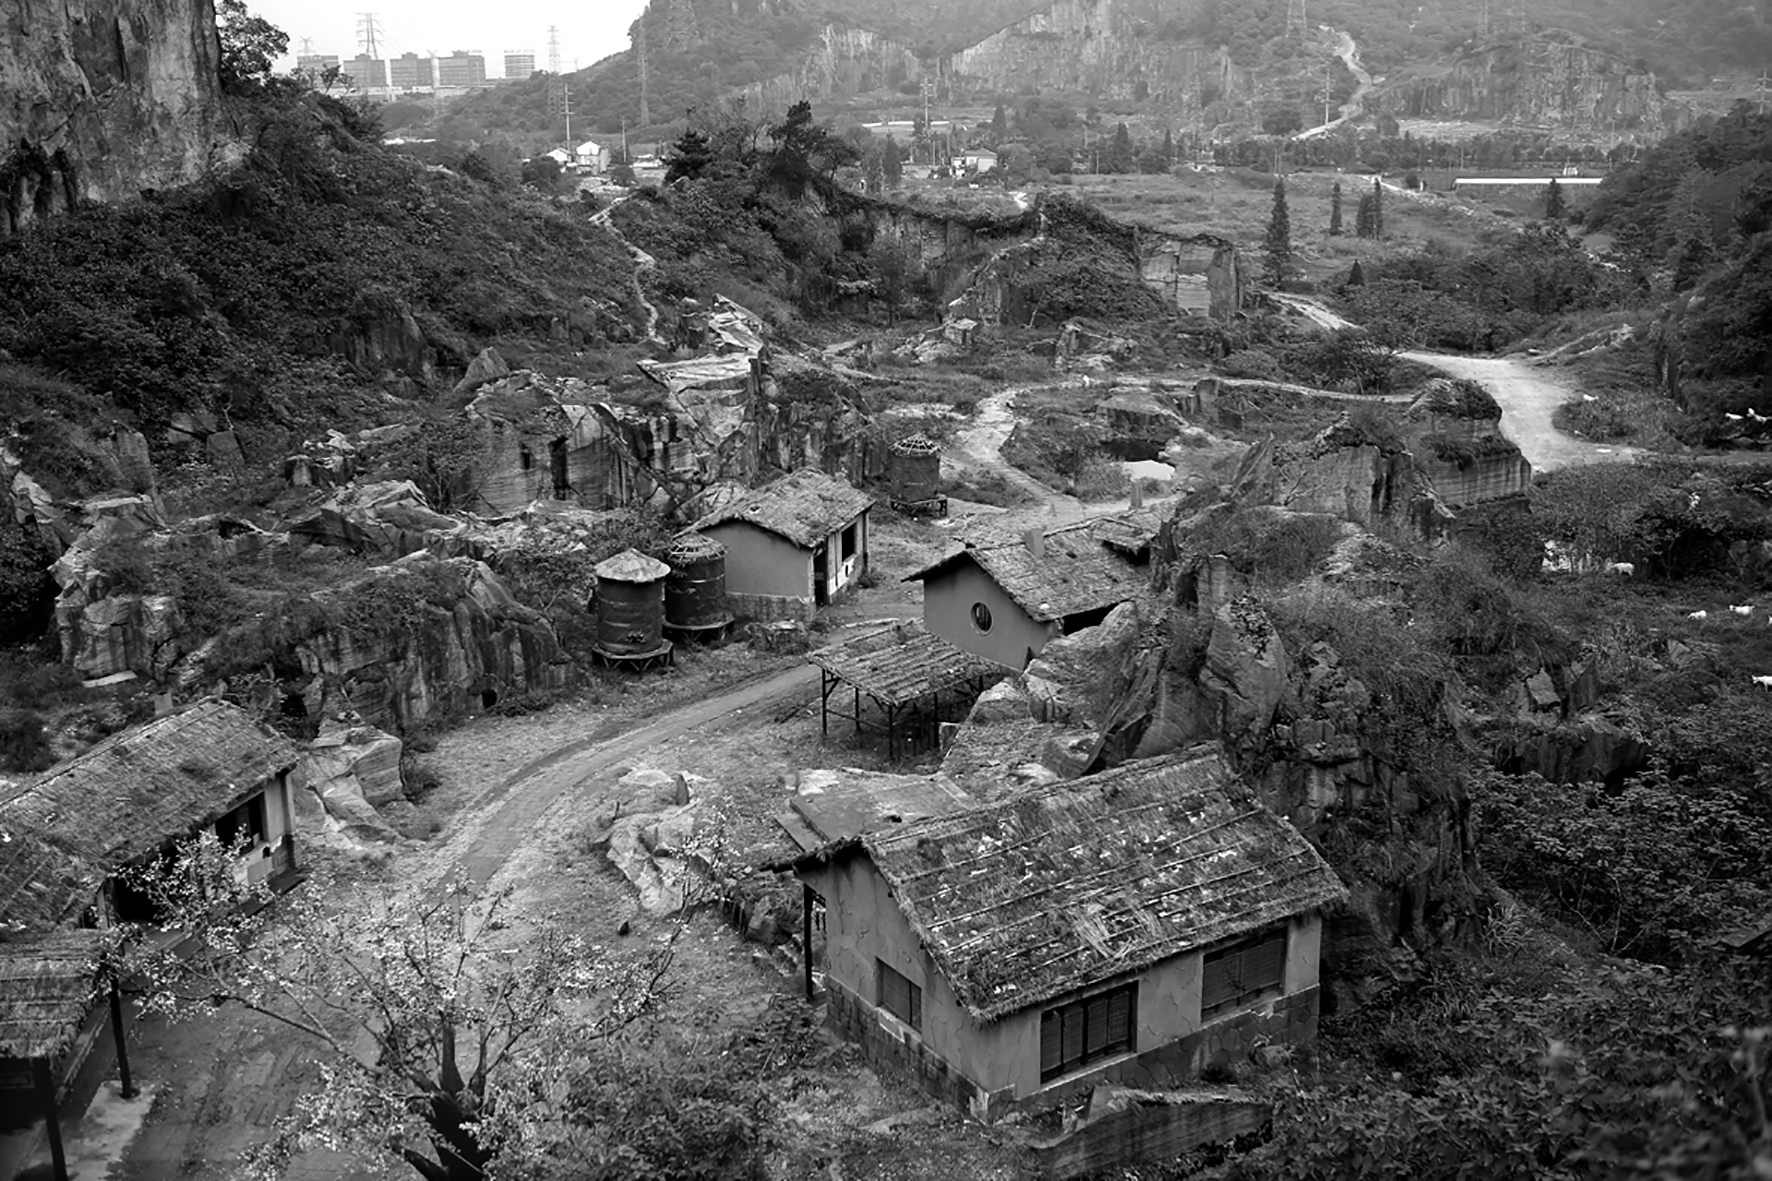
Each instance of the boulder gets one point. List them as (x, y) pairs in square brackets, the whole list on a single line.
[(487, 366), (368, 757)]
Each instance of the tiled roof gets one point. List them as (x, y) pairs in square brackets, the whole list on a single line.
[(1075, 572), (46, 989), (125, 797), (805, 507), (900, 663), (1053, 889)]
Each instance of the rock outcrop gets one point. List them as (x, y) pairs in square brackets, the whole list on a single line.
[(1541, 82), (352, 770), (396, 651), (647, 826), (103, 99)]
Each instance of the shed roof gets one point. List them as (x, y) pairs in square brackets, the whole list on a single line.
[(46, 988), (630, 565), (838, 805), (136, 790), (1056, 888), (902, 662), (1075, 572), (805, 507), (42, 885)]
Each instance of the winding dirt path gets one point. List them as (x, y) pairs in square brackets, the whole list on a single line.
[(1528, 397), (642, 262), (1349, 53)]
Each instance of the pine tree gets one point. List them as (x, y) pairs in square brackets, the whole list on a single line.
[(1335, 229), (1554, 208), (1277, 247), (1356, 277), (891, 163), (1121, 158), (1366, 218), (1169, 145), (999, 125), (1377, 208)]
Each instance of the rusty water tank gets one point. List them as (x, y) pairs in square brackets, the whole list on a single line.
[(695, 591), (630, 604), (916, 469)]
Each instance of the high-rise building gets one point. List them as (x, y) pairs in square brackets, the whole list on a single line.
[(519, 63), (461, 68), (367, 73), (410, 71), (315, 63)]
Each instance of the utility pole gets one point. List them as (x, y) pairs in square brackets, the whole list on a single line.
[(645, 111), (928, 128)]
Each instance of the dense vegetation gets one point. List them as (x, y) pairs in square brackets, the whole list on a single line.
[(242, 293)]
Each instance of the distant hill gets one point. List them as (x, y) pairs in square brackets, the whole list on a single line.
[(700, 51)]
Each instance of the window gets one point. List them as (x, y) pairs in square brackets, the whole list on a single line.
[(1086, 1031), (981, 617), (899, 996), (851, 540), (248, 820), (1244, 971)]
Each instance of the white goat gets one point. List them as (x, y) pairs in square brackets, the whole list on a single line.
[(1589, 398), (1756, 415), (1763, 682), (1623, 569), (1743, 611), (1731, 417), (1700, 616)]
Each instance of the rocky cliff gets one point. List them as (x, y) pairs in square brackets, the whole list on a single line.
[(100, 99), (1107, 48), (1542, 82), (841, 62)]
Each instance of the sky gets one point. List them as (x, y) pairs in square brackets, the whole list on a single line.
[(589, 29)]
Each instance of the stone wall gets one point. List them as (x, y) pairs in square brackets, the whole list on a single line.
[(101, 99)]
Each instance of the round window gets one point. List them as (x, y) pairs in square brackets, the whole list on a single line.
[(981, 617)]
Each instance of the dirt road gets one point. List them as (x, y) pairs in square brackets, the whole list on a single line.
[(1528, 397)]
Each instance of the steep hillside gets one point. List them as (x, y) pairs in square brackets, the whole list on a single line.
[(102, 99)]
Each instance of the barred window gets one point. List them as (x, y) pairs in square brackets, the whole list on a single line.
[(899, 996), (1085, 1031), (1243, 971)]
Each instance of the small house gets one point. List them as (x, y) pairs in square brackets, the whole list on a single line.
[(1005, 601), (210, 767), (591, 156), (792, 546), (561, 157), (977, 160), (1134, 927)]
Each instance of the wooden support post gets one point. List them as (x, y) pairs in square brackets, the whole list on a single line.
[(117, 1036), (806, 935), (891, 733), (51, 1120), (824, 704), (858, 713)]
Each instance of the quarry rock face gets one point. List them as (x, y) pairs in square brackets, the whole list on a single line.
[(101, 99), (1541, 82), (352, 770), (1102, 47), (397, 673)]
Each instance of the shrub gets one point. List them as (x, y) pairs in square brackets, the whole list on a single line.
[(22, 744), (1252, 364)]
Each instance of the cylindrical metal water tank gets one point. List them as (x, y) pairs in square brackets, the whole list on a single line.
[(695, 591), (630, 604), (916, 469)]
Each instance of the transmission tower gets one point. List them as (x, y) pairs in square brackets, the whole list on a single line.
[(1485, 20), (1295, 18), (368, 29), (307, 47), (553, 49)]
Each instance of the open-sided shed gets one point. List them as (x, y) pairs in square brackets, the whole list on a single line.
[(905, 670)]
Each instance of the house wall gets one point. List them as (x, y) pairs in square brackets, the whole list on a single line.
[(989, 1068), (761, 563), (947, 612)]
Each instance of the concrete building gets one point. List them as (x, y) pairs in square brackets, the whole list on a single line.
[(461, 68), (410, 72), (1005, 601), (367, 73), (792, 546), (519, 63), (316, 63), (972, 946), (591, 156)]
